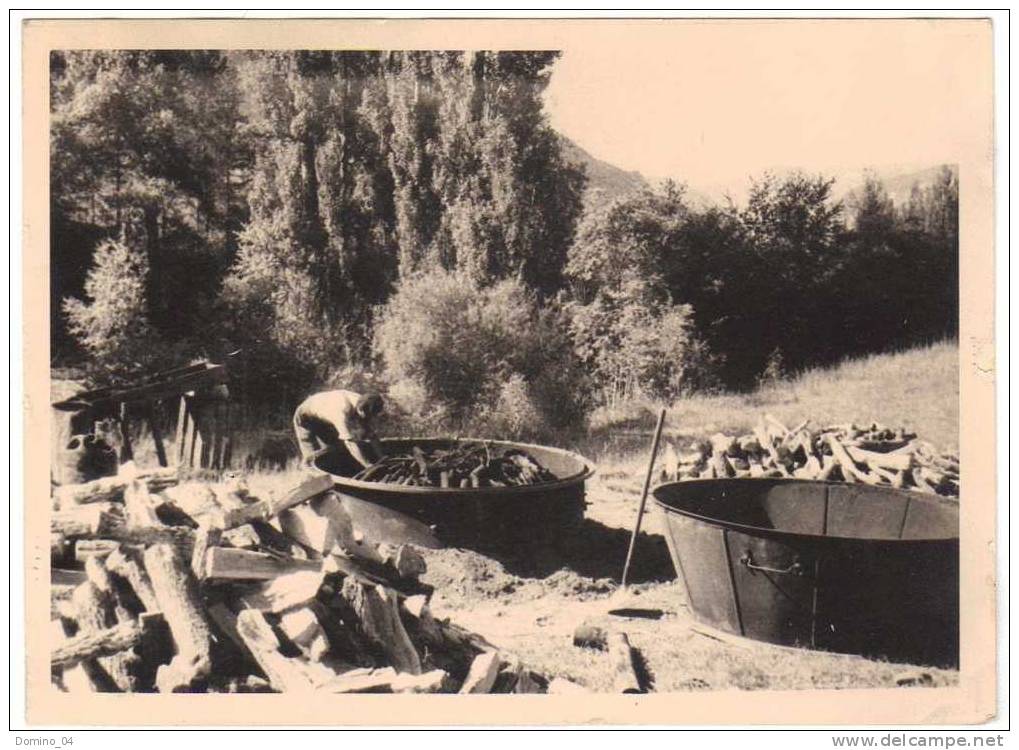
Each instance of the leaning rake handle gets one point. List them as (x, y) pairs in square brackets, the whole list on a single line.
[(643, 497)]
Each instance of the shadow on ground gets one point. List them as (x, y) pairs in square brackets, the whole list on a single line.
[(592, 550)]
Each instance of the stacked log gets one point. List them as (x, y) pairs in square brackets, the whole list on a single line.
[(871, 454), (212, 595)]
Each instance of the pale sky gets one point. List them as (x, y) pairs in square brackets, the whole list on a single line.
[(711, 103)]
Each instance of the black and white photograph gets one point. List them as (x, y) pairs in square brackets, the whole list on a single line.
[(508, 369)]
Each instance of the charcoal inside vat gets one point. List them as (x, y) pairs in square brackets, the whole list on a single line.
[(483, 517)]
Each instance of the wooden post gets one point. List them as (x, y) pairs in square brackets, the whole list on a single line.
[(182, 418), (226, 452), (157, 435), (200, 441), (126, 454), (216, 449)]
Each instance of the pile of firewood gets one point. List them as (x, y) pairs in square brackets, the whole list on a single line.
[(170, 588), (872, 454), (464, 465)]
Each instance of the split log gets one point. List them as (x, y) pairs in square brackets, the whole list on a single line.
[(102, 642), (124, 564), (345, 639), (828, 466), (378, 615), (99, 576), (284, 592), (257, 511), (205, 538), (111, 489), (284, 673), (306, 490), (242, 564), (434, 681), (448, 645), (386, 680), (317, 525), (761, 433), (301, 626), (405, 560), (722, 443), (893, 461), (177, 593), (617, 645), (324, 524), (481, 676), (272, 540), (526, 682), (140, 507), (319, 647), (849, 469), (225, 619), (197, 500), (242, 537)]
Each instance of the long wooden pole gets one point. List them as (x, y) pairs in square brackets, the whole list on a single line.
[(643, 496)]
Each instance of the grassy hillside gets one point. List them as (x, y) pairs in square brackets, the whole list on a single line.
[(917, 389)]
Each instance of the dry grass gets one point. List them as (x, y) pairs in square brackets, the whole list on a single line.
[(917, 389)]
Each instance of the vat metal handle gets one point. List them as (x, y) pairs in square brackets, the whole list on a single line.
[(794, 569)]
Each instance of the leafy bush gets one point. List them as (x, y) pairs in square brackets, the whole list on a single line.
[(479, 359), (639, 350), (113, 325)]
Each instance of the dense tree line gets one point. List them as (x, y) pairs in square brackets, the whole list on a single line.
[(303, 205), (789, 280), (278, 196)]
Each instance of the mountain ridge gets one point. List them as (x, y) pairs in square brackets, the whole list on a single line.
[(607, 182)]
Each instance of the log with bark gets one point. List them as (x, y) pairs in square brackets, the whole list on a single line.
[(111, 489), (176, 608), (620, 655)]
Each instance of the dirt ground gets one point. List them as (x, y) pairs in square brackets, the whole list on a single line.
[(530, 605)]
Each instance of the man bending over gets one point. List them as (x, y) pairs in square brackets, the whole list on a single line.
[(340, 423)]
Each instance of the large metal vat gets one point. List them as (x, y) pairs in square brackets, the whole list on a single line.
[(485, 517), (839, 567)]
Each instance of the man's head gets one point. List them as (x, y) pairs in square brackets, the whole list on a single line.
[(369, 406)]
